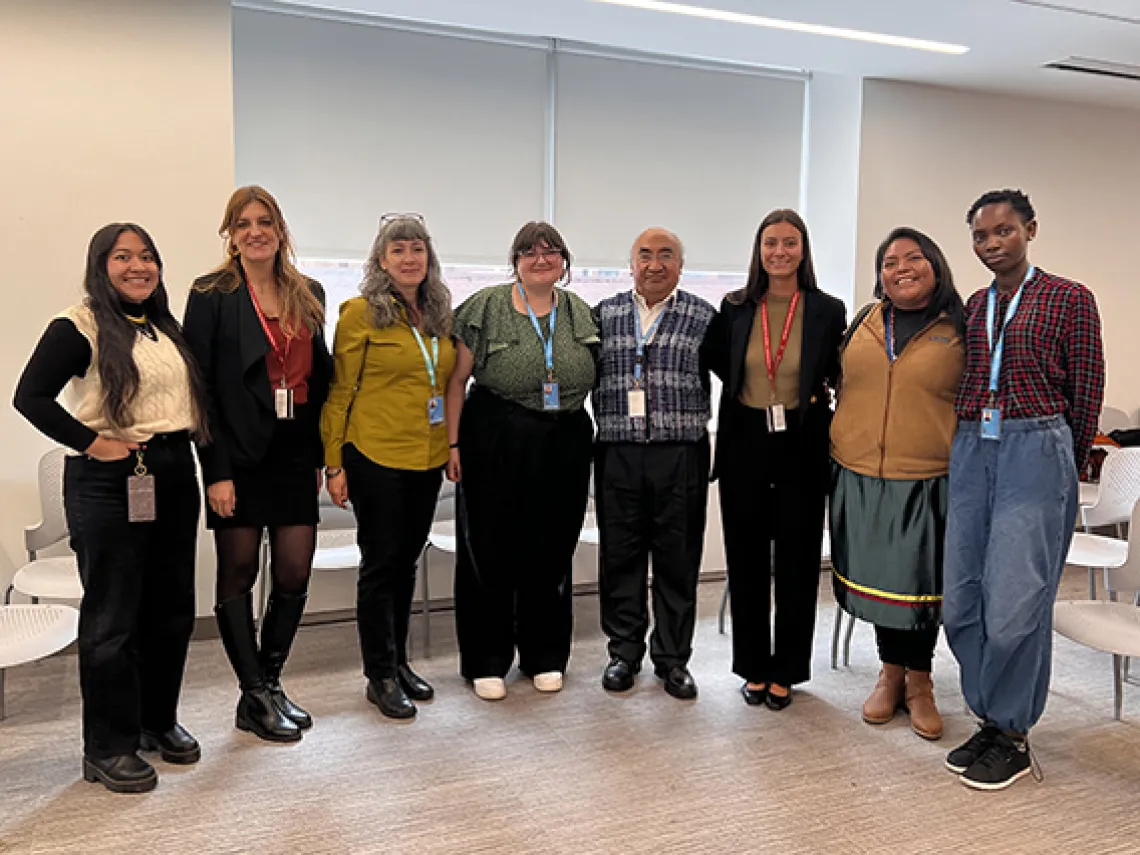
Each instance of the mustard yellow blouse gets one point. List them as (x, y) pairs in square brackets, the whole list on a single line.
[(380, 391)]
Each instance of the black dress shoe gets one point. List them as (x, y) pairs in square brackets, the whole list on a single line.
[(126, 773), (619, 674), (778, 702), (678, 682), (389, 696), (414, 686), (754, 697), (175, 745)]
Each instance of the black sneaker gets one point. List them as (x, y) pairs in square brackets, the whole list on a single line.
[(970, 751), (1005, 761)]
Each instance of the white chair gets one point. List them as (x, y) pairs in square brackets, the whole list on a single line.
[(55, 577), (32, 632), (1118, 492), (1113, 419), (1106, 625)]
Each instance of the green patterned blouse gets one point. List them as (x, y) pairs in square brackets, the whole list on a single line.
[(509, 358)]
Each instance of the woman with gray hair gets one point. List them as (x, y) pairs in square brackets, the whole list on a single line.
[(384, 433)]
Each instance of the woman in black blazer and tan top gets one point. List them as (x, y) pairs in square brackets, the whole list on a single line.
[(775, 346), (256, 326)]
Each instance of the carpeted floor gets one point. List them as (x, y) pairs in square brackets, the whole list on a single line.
[(577, 772)]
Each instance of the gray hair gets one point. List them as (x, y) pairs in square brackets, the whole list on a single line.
[(385, 299)]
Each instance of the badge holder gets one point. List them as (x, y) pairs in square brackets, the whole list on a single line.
[(991, 423), (550, 394), (777, 418), (140, 493), (435, 410), (283, 402)]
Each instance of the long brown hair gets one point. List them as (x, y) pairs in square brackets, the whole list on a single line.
[(297, 303), (118, 372), (757, 285)]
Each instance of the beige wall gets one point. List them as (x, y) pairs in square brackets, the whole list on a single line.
[(115, 110), (927, 153)]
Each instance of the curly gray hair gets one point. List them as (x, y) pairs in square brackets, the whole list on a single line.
[(378, 288)]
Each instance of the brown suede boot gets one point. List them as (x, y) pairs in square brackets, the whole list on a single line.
[(924, 717), (887, 696)]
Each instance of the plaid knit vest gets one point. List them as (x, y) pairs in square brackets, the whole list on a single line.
[(677, 394)]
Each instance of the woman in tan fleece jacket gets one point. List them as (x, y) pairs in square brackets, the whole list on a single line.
[(890, 442)]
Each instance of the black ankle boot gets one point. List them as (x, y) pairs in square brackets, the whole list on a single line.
[(256, 710), (278, 628), (414, 686), (387, 694), (127, 773)]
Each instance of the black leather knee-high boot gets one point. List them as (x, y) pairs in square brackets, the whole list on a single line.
[(257, 712), (278, 629)]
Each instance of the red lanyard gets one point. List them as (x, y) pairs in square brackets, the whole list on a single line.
[(774, 364), (281, 356)]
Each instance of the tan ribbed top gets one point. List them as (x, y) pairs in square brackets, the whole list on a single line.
[(756, 389)]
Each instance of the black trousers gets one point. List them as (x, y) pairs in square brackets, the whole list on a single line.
[(772, 507), (138, 592), (394, 509), (911, 648), (651, 500), (526, 478)]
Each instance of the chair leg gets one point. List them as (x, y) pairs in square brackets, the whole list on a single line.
[(426, 604), (1117, 686), (3, 711), (835, 630), (8, 595), (847, 641), (1092, 583), (723, 609)]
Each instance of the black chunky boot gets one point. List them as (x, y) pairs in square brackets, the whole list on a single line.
[(278, 629), (256, 710)]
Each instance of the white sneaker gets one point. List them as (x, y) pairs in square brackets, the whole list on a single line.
[(490, 688), (548, 681)]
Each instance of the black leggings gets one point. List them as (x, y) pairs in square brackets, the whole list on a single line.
[(911, 648), (291, 550)]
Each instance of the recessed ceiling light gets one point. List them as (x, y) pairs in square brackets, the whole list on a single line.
[(791, 26)]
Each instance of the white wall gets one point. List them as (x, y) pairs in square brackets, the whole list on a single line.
[(927, 153), (112, 111)]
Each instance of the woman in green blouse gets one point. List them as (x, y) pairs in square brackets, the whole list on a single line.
[(520, 446), (386, 442)]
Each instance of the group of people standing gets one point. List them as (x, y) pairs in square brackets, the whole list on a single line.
[(942, 434)]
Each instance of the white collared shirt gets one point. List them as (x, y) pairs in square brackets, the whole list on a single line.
[(648, 315)]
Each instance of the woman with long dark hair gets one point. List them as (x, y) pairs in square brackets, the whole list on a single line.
[(256, 325), (386, 442), (775, 345), (131, 497), (890, 440)]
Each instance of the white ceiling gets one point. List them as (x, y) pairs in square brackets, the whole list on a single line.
[(1008, 40)]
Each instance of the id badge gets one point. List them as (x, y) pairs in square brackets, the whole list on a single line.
[(777, 419), (435, 410), (550, 395), (140, 498), (283, 402), (991, 423), (636, 401)]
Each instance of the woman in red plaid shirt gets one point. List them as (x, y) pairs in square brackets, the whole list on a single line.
[(1028, 409)]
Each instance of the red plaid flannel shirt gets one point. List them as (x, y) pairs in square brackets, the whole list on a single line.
[(1053, 360)]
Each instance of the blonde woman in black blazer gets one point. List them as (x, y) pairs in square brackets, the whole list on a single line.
[(772, 453)]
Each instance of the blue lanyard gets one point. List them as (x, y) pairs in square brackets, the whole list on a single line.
[(643, 340), (430, 362), (889, 322), (997, 349), (547, 342)]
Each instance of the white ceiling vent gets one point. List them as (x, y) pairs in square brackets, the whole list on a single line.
[(1098, 67)]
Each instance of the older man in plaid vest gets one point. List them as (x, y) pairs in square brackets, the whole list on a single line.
[(651, 473)]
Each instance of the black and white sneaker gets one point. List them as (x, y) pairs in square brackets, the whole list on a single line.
[(1005, 761), (970, 751)]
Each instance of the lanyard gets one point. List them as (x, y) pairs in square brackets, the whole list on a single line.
[(771, 364), (430, 362), (281, 356), (643, 340), (996, 350), (547, 343)]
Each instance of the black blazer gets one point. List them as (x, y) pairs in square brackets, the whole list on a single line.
[(227, 340), (726, 347)]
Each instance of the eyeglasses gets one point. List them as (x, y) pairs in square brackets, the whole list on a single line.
[(536, 253), (392, 217)]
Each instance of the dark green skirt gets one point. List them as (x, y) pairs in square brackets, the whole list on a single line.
[(887, 548)]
